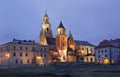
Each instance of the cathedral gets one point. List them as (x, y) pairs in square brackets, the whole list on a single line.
[(50, 49), (62, 48)]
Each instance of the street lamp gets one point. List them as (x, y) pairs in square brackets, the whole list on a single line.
[(7, 55)]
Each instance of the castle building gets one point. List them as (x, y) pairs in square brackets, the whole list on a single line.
[(85, 51), (63, 48), (58, 46), (71, 52), (61, 42), (108, 52), (71, 42), (23, 52), (46, 31)]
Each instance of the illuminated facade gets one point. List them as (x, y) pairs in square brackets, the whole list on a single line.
[(71, 53), (61, 42), (108, 52), (85, 51), (23, 52), (63, 48), (46, 30), (71, 42)]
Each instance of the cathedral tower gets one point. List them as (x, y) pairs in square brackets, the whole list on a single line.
[(71, 42), (61, 42), (45, 30)]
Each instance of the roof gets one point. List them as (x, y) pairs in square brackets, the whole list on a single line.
[(50, 41), (109, 43), (84, 43), (46, 15), (26, 42), (61, 25)]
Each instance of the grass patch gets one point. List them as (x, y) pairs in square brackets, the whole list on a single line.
[(75, 71)]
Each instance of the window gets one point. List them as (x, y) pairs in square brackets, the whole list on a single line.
[(16, 61), (14, 54), (98, 51), (102, 51), (21, 61), (26, 48), (41, 55), (14, 47), (91, 59), (98, 56), (45, 49), (87, 59), (91, 49), (20, 48), (87, 50), (41, 49), (45, 55), (26, 54), (28, 61), (82, 48), (20, 54), (105, 51), (47, 29), (106, 55)]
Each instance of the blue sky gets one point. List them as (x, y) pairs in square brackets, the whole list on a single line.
[(89, 20)]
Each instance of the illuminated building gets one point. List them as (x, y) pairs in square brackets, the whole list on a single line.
[(61, 47), (46, 30), (71, 42), (61, 42), (85, 51), (108, 52), (71, 53), (23, 52)]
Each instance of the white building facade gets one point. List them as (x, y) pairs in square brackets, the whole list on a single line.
[(107, 52), (22, 52), (86, 51)]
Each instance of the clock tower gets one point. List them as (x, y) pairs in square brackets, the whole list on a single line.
[(45, 30)]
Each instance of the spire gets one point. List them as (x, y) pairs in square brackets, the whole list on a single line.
[(70, 34), (46, 18), (45, 14), (61, 25)]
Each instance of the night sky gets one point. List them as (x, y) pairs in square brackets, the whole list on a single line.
[(88, 20)]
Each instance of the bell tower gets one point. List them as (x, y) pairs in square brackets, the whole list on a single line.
[(45, 30), (61, 42)]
